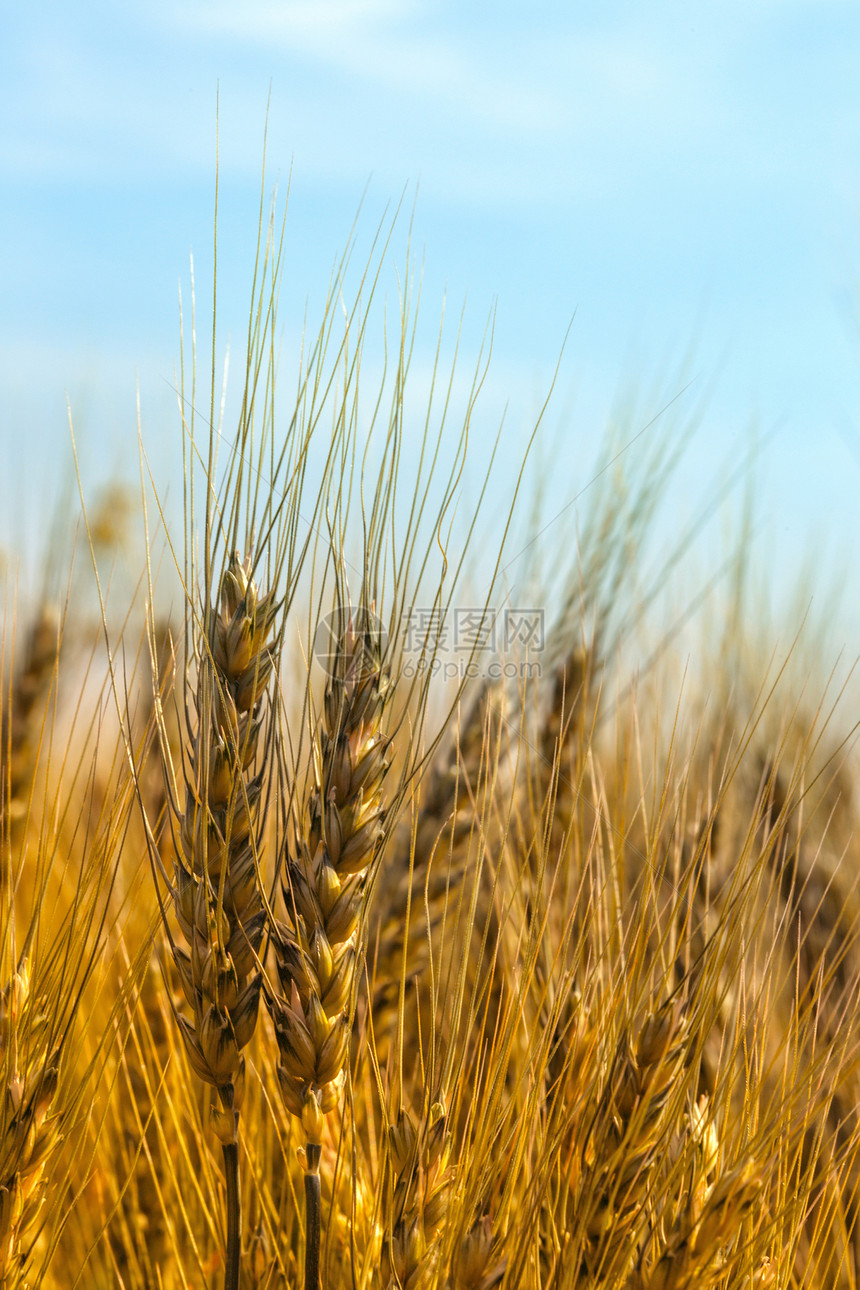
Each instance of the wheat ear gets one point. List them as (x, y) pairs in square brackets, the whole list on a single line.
[(625, 1143), (418, 1197), (217, 901), (22, 730), (317, 946), (429, 856), (695, 1256), (29, 1133)]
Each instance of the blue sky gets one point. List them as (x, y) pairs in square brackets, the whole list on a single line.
[(672, 174)]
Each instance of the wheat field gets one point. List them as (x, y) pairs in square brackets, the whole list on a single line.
[(327, 964)]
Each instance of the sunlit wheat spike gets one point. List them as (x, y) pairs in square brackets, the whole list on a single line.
[(698, 1251), (316, 946), (22, 725), (477, 1264), (426, 864), (626, 1140), (218, 904), (158, 724), (29, 1125), (418, 1196)]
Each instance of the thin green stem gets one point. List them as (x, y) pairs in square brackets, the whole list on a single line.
[(234, 1216)]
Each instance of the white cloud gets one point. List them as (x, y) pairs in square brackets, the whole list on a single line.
[(396, 47), (557, 111)]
